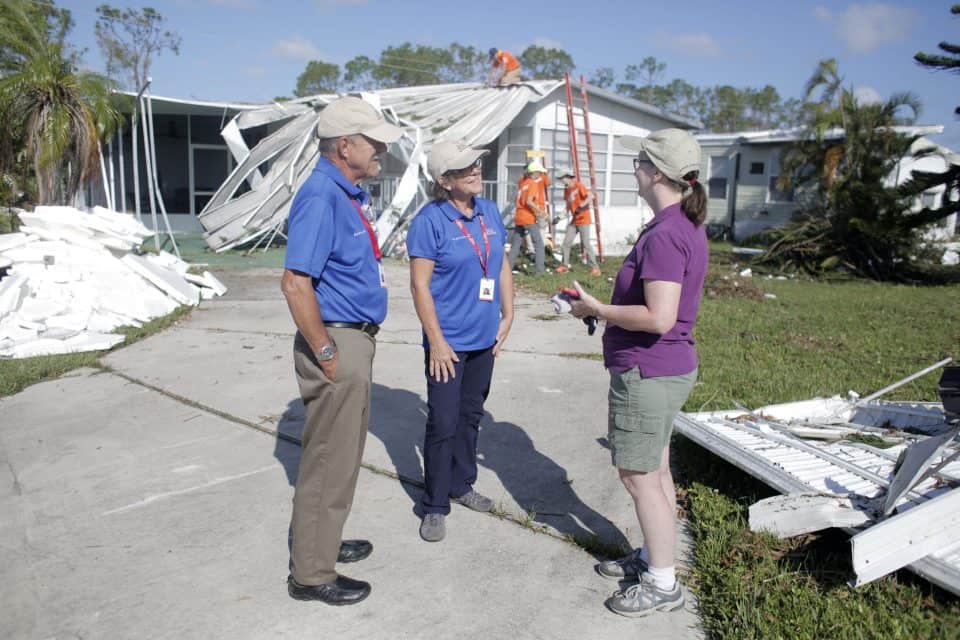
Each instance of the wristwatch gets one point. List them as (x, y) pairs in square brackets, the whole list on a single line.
[(327, 352)]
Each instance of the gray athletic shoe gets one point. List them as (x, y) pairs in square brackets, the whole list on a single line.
[(628, 567), (432, 529), (645, 598), (473, 500)]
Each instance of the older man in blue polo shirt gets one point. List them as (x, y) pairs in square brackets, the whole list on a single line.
[(334, 285)]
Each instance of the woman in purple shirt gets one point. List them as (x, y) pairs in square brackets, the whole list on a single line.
[(649, 350)]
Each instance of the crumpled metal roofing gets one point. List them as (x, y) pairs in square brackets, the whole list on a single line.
[(471, 112)]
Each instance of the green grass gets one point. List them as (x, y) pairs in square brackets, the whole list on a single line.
[(813, 339), (16, 375), (194, 250)]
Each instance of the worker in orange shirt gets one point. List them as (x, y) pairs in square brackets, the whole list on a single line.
[(577, 198), (531, 207), (506, 68)]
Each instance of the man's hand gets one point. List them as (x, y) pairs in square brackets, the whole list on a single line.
[(329, 367)]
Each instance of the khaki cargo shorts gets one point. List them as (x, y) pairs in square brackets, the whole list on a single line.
[(640, 416)]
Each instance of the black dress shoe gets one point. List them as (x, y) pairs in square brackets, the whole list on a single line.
[(340, 592), (354, 550)]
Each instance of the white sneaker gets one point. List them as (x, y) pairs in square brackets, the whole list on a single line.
[(645, 598)]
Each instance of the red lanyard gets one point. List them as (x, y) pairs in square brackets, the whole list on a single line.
[(370, 232), (484, 260)]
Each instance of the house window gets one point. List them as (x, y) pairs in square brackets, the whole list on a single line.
[(717, 185), (756, 168), (777, 194), (928, 200)]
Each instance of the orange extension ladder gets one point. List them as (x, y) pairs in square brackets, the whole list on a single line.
[(582, 108)]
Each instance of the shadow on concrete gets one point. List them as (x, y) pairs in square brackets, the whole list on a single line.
[(541, 486), (534, 481), (290, 425)]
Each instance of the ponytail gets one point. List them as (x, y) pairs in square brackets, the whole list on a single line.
[(694, 203)]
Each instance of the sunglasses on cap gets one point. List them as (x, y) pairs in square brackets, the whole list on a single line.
[(639, 161)]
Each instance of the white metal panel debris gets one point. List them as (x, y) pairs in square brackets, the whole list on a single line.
[(855, 484), (798, 513), (70, 278), (931, 527), (275, 168)]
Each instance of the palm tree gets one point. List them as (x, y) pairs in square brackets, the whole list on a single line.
[(850, 216), (57, 113)]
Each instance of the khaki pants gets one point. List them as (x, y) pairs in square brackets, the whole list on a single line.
[(337, 415), (570, 235), (510, 77)]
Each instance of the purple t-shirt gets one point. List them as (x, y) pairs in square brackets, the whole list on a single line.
[(670, 248)]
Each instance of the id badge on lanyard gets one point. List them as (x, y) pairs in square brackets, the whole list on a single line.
[(374, 244), (487, 284)]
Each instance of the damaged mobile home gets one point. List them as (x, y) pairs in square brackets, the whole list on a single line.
[(252, 204), (901, 504)]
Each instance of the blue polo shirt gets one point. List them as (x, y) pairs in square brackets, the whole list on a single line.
[(468, 323), (326, 239)]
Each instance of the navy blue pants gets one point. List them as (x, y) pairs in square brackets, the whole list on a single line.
[(454, 411)]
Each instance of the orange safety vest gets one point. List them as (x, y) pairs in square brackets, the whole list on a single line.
[(530, 188), (506, 60), (576, 195)]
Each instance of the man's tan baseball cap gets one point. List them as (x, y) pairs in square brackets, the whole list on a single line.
[(566, 171), (447, 155), (349, 116), (674, 152)]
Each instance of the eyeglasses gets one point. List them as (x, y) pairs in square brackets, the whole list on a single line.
[(466, 171), (639, 161)]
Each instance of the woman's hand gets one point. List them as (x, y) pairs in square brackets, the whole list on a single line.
[(587, 305), (442, 359), (502, 331)]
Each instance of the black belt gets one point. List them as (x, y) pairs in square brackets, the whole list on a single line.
[(367, 327)]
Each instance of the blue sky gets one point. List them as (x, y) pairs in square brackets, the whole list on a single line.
[(253, 50)]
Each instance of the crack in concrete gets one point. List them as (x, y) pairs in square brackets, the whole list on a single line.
[(498, 512), (16, 482)]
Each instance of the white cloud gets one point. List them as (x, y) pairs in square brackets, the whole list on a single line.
[(865, 27), (867, 95), (296, 47), (547, 43), (688, 44)]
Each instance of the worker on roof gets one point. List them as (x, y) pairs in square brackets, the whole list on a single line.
[(505, 69)]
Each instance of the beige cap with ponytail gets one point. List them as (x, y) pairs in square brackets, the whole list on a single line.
[(674, 152)]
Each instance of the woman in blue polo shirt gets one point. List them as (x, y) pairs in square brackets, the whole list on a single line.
[(463, 293)]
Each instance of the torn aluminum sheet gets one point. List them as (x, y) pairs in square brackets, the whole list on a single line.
[(931, 529), (73, 281), (844, 469), (798, 513), (469, 112)]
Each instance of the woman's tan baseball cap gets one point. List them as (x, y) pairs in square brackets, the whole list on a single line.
[(447, 155), (674, 152), (349, 116)]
